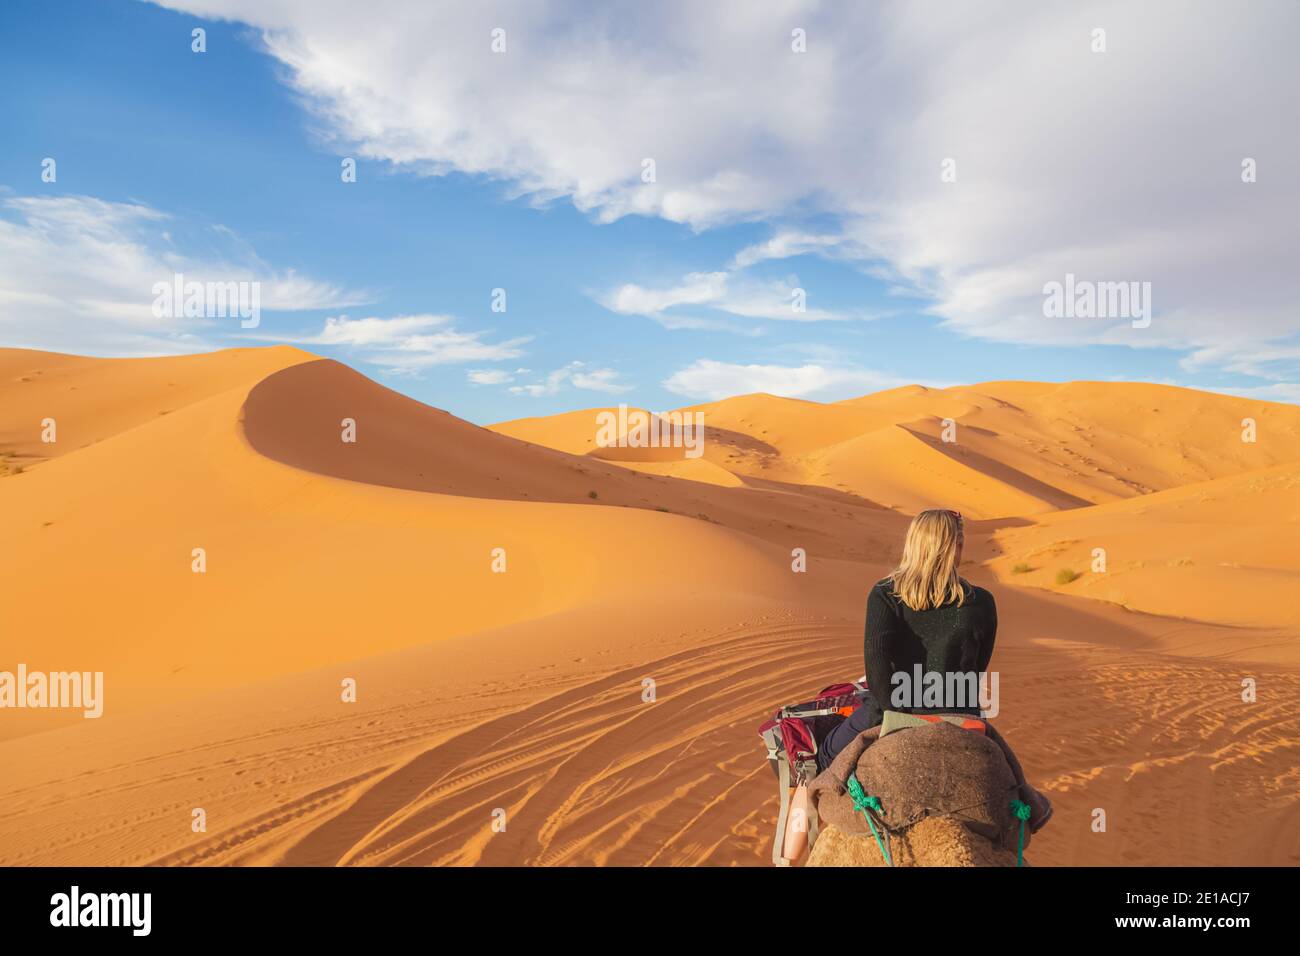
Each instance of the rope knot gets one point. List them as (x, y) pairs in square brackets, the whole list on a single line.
[(857, 793), (863, 804)]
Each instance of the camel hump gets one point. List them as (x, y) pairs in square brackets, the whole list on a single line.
[(930, 795), (941, 770), (934, 841)]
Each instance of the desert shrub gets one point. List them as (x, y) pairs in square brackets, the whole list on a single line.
[(1066, 575), (1021, 569)]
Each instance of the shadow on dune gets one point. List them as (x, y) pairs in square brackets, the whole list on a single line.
[(832, 495), (1017, 479), (672, 445), (296, 416), (981, 538)]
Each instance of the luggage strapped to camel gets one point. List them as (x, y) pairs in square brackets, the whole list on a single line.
[(791, 737)]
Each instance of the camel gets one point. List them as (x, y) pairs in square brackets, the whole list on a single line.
[(931, 794)]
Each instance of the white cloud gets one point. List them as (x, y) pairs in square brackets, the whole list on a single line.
[(711, 380), (1277, 392), (776, 300), (728, 292), (697, 288), (1112, 166), (788, 243), (340, 330), (600, 380), (488, 376), (671, 320), (77, 275), (1271, 362), (576, 375), (407, 344)]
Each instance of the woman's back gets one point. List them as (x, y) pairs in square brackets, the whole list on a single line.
[(951, 639)]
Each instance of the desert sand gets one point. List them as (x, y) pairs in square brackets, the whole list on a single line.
[(520, 696)]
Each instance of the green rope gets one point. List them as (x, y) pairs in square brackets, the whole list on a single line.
[(867, 804), (1021, 811)]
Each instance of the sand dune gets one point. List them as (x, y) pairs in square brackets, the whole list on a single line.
[(1221, 551), (1105, 440), (905, 472), (524, 691), (90, 399), (1020, 448), (115, 524)]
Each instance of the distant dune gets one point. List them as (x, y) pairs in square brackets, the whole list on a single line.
[(524, 691), (1020, 447)]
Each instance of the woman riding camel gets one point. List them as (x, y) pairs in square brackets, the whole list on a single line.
[(923, 619)]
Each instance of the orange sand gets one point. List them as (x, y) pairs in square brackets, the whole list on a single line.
[(523, 692)]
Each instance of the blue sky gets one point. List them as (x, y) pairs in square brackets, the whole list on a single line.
[(227, 163)]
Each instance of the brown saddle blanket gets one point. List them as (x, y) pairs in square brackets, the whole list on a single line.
[(937, 769)]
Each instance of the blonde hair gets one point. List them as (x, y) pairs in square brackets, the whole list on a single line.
[(927, 575)]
